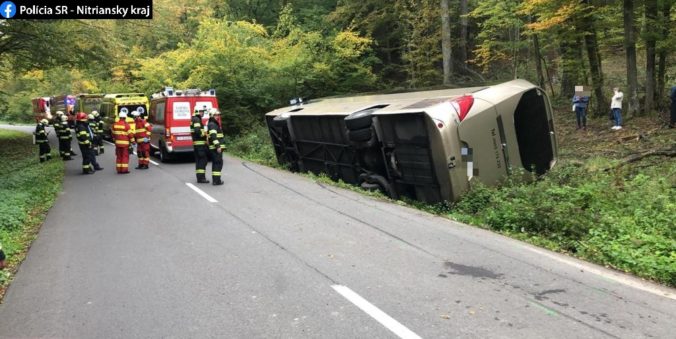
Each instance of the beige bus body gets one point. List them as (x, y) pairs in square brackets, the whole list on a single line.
[(426, 145)]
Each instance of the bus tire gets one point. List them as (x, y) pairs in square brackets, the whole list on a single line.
[(360, 135), (358, 120)]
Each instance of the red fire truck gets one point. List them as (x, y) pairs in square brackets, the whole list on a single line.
[(42, 108)]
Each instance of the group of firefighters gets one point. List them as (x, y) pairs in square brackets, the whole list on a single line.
[(126, 132)]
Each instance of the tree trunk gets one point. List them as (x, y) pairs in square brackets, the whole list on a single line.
[(595, 63), (665, 22), (538, 61), (650, 41), (630, 48), (464, 31), (570, 75), (446, 42)]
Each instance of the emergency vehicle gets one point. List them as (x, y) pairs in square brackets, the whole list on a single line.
[(88, 102), (66, 104), (42, 108), (113, 104), (170, 114), (427, 146)]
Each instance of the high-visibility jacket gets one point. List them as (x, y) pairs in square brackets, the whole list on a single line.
[(40, 134), (84, 134), (98, 126), (199, 135), (64, 131), (216, 137), (122, 134), (142, 129)]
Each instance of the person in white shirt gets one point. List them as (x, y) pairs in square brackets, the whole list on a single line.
[(616, 108)]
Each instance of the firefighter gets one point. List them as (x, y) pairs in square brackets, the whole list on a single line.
[(85, 138), (64, 139), (215, 146), (124, 138), (97, 126), (91, 122), (42, 141), (142, 135), (199, 142)]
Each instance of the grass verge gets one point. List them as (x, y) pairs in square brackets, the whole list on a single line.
[(27, 190), (591, 205)]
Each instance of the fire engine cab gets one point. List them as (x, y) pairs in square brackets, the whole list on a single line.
[(42, 108), (170, 114)]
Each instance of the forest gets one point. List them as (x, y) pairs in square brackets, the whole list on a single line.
[(259, 53)]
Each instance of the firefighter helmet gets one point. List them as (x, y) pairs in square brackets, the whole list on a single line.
[(59, 113), (214, 112), (95, 113), (44, 121), (90, 116), (64, 118), (135, 114), (123, 115), (81, 116)]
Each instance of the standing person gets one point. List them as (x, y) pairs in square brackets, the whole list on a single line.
[(199, 142), (124, 137), (672, 123), (42, 141), (85, 138), (142, 135), (91, 122), (215, 146), (580, 103), (65, 137), (616, 108), (97, 126)]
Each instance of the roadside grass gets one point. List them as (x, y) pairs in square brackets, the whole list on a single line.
[(592, 205), (27, 190)]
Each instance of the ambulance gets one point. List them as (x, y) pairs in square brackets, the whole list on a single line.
[(170, 114), (114, 104)]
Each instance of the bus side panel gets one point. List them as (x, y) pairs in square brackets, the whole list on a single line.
[(408, 155), (323, 147)]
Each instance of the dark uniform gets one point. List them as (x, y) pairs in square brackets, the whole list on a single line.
[(199, 142), (63, 138), (85, 138), (42, 141), (215, 149), (99, 131)]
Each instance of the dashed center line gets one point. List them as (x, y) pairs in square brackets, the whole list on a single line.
[(200, 192), (390, 323)]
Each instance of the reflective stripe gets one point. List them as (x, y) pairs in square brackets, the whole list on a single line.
[(121, 165), (198, 143), (216, 173), (200, 171), (121, 142)]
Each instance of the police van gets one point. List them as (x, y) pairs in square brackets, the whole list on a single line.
[(114, 104), (427, 146), (170, 114)]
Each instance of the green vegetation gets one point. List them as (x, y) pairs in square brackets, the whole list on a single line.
[(27, 190)]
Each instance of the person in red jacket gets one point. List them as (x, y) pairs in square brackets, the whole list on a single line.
[(142, 135), (124, 137)]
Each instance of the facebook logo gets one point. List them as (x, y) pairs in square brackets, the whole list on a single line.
[(7, 9)]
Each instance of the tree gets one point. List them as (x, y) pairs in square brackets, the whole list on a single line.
[(650, 36), (630, 50), (446, 41)]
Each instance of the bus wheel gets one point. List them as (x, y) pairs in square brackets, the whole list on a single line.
[(360, 135), (358, 120), (164, 154)]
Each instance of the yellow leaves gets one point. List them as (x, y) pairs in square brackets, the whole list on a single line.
[(551, 14), (37, 74), (350, 45)]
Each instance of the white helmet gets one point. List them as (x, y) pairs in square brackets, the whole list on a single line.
[(44, 121), (95, 113), (214, 112), (123, 115), (64, 118), (135, 114), (59, 113), (90, 116)]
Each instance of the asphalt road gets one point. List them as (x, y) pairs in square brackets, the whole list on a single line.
[(273, 254)]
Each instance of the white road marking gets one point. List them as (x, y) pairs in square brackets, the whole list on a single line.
[(370, 309), (110, 143), (200, 192), (617, 277)]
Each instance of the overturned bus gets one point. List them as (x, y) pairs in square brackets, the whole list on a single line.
[(426, 145)]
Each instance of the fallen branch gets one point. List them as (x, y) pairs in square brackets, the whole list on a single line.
[(667, 152)]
